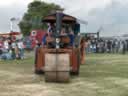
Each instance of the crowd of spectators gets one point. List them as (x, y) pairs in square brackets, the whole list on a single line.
[(11, 49), (107, 46)]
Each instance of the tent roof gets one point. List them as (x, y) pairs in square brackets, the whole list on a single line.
[(11, 33)]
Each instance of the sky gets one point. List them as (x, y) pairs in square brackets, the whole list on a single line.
[(109, 15)]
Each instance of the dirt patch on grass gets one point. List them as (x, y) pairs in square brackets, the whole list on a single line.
[(33, 90), (10, 74), (119, 81)]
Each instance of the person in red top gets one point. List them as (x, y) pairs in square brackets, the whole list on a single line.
[(1, 46)]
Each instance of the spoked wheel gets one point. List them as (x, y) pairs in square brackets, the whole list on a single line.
[(38, 69), (76, 73)]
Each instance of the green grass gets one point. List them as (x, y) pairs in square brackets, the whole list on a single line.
[(102, 75)]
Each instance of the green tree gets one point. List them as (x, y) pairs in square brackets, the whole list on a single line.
[(36, 11)]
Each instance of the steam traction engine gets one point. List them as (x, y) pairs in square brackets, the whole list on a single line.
[(62, 50)]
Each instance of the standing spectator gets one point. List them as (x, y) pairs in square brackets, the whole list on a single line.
[(102, 45), (87, 46), (6, 45), (121, 46), (97, 46), (127, 45), (1, 47), (109, 45), (117, 45), (9, 44), (113, 46), (17, 52), (13, 50), (21, 48), (124, 47), (13, 45), (93, 46)]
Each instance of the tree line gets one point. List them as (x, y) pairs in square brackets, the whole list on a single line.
[(34, 15)]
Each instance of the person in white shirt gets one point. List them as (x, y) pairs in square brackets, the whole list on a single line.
[(21, 48), (6, 45)]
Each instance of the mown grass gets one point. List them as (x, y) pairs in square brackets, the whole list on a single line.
[(102, 75)]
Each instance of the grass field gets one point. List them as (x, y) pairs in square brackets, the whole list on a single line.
[(102, 75)]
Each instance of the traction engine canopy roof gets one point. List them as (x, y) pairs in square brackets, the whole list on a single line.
[(66, 18)]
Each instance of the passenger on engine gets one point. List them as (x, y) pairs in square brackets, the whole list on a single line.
[(63, 32), (72, 37), (48, 37)]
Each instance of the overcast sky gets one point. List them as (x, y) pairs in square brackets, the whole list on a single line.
[(111, 15)]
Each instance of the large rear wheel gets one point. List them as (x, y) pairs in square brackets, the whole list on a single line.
[(78, 65)]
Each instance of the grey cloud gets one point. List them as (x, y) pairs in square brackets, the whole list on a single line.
[(7, 12), (113, 19), (110, 14)]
